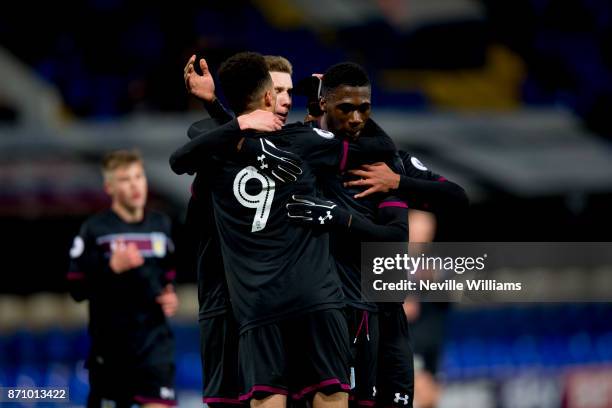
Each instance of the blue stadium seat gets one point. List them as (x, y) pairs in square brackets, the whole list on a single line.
[(188, 371), (29, 376), (79, 339), (23, 348), (56, 345), (57, 375), (79, 385), (603, 346)]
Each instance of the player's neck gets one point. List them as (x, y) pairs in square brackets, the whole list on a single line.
[(323, 122), (129, 215)]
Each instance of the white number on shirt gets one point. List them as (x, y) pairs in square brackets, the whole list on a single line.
[(261, 202)]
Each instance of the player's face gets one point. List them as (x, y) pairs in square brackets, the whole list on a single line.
[(127, 186), (283, 85), (346, 110)]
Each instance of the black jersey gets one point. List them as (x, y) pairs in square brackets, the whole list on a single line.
[(429, 191), (346, 245), (386, 213), (212, 288), (127, 325), (425, 190), (274, 268), (213, 298), (195, 157)]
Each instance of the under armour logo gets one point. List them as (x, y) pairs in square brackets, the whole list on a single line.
[(261, 159), (397, 399), (327, 217)]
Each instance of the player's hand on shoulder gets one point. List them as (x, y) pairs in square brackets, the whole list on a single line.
[(168, 300), (201, 86), (124, 256), (314, 211), (260, 120), (278, 164)]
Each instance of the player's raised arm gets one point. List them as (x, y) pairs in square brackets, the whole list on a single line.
[(202, 86), (203, 126), (200, 83), (191, 156)]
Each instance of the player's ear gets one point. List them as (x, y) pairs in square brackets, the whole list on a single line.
[(322, 103), (269, 99)]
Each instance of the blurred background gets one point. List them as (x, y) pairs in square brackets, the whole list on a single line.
[(509, 98)]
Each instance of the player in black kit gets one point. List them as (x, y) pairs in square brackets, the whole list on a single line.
[(346, 105), (425, 190), (218, 331), (285, 295), (219, 335), (121, 262)]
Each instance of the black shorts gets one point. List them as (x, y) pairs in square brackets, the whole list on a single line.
[(395, 383), (121, 386), (363, 332), (297, 357), (219, 353)]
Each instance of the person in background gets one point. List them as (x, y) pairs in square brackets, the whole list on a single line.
[(122, 263)]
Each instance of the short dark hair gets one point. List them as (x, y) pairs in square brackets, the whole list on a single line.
[(243, 77), (344, 74)]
